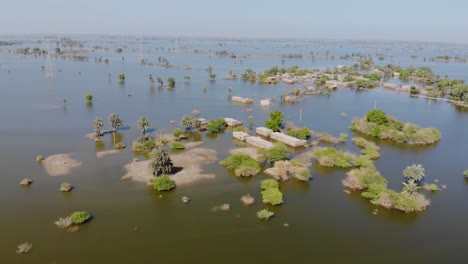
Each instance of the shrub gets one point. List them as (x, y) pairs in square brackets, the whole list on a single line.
[(302, 133), (26, 182), (80, 217), (89, 97), (331, 157), (146, 146), (121, 76), (216, 125), (377, 116), (278, 152), (466, 173), (66, 187), (163, 183), (177, 145), (177, 132), (431, 187), (272, 196), (264, 214), (39, 158), (269, 184), (171, 82), (235, 161), (343, 137), (248, 168), (63, 222), (247, 199), (161, 141)]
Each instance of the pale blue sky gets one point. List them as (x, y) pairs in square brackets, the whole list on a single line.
[(441, 21)]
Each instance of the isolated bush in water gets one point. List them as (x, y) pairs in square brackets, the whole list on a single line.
[(79, 217), (163, 183)]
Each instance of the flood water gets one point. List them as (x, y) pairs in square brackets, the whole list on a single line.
[(132, 224)]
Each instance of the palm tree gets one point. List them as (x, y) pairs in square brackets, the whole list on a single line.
[(115, 122), (143, 124), (160, 162), (414, 172), (410, 188), (97, 125)]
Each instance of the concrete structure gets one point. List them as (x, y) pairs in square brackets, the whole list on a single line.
[(288, 140), (290, 99), (242, 100), (265, 102), (242, 136), (232, 122), (263, 131), (391, 86), (258, 142)]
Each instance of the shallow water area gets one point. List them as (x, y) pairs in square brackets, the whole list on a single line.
[(132, 223)]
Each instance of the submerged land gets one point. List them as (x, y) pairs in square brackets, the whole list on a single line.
[(247, 140)]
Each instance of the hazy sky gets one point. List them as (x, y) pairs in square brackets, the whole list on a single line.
[(429, 20)]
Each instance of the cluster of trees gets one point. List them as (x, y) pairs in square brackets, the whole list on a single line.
[(378, 124), (242, 164), (115, 122), (374, 187)]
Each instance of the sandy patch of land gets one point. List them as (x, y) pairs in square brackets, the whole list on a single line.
[(191, 161), (60, 164), (192, 144), (91, 135), (252, 152), (101, 154)]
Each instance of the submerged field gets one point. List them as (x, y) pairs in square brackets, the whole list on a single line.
[(132, 223)]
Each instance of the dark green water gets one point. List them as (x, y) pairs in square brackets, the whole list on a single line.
[(133, 225)]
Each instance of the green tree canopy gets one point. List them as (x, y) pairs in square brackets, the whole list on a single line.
[(377, 116)]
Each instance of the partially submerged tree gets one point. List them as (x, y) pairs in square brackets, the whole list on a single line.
[(212, 76), (160, 81), (275, 121), (171, 82), (143, 124), (115, 122), (160, 163), (410, 188), (187, 122), (414, 172), (97, 125)]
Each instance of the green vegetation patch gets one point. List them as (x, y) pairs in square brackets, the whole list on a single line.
[(242, 164), (301, 133), (332, 157), (279, 151), (265, 214), (272, 196), (177, 145), (377, 124), (374, 187), (80, 217), (163, 183)]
